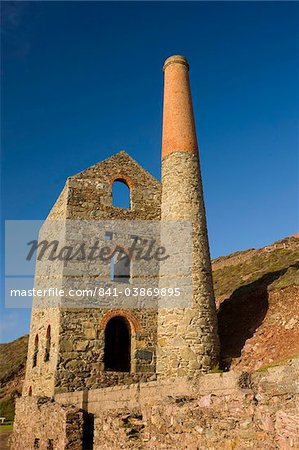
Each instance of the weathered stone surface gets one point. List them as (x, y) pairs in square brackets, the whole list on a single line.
[(196, 326), (46, 423), (182, 199), (210, 412), (77, 338)]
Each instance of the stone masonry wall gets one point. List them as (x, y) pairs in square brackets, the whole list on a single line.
[(81, 357), (45, 318), (90, 191), (187, 337), (215, 412), (39, 380), (77, 336), (43, 424)]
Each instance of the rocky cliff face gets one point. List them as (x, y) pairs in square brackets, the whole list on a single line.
[(257, 294)]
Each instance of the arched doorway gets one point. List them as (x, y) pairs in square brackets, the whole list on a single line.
[(117, 353)]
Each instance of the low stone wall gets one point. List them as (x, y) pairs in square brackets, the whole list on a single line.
[(44, 424), (217, 411)]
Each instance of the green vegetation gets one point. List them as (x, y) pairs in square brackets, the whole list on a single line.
[(276, 364), (6, 427), (284, 260), (7, 408), (12, 360), (232, 255), (216, 369), (12, 357), (291, 276)]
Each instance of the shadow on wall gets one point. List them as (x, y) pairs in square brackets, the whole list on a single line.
[(88, 424), (241, 314)]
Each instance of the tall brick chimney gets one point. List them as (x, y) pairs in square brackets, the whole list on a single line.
[(178, 120), (187, 337)]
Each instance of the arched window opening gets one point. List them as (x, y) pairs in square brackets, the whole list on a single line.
[(30, 392), (121, 194), (120, 267), (34, 362), (48, 344), (117, 352)]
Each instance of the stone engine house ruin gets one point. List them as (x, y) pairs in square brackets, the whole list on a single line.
[(85, 349)]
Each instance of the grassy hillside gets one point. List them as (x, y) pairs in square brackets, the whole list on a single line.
[(242, 268), (12, 364), (257, 293), (12, 357)]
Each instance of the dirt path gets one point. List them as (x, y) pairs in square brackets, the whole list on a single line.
[(4, 436)]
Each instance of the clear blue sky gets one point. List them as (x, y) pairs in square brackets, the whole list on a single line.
[(83, 80)]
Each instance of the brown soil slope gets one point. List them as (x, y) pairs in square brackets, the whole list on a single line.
[(257, 294)]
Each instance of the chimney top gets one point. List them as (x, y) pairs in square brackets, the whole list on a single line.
[(178, 119), (176, 59)]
